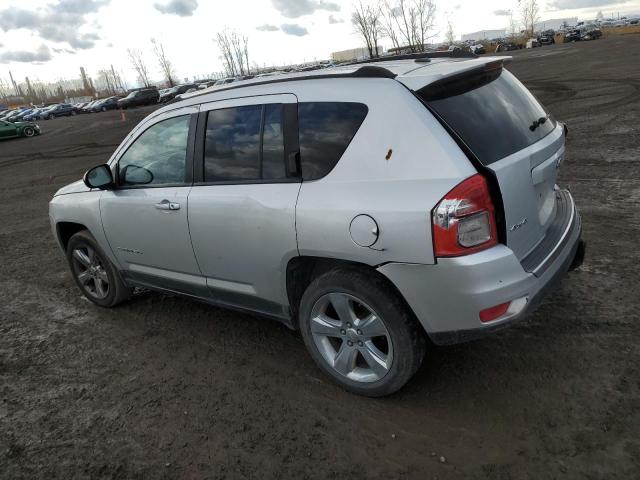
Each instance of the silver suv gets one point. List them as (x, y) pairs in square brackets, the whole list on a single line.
[(371, 206)]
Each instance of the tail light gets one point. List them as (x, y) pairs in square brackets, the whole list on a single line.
[(464, 221)]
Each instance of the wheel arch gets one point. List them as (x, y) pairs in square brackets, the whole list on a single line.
[(66, 230), (302, 270)]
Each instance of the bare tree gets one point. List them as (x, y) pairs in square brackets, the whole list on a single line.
[(425, 11), (409, 22), (388, 28), (367, 22), (234, 52), (450, 36), (165, 65), (513, 26), (530, 11), (135, 56)]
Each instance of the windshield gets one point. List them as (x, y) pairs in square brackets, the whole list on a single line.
[(491, 111)]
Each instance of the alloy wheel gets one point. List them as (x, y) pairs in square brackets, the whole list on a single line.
[(90, 272), (351, 337)]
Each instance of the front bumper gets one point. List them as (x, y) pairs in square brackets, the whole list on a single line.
[(447, 297)]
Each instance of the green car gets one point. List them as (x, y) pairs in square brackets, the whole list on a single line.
[(18, 129)]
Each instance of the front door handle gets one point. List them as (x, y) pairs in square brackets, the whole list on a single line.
[(167, 205)]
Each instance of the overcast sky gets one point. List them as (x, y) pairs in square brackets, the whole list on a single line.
[(51, 39)]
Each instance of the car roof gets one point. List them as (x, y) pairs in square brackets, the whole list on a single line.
[(414, 73)]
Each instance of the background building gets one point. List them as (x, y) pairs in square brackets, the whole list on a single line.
[(361, 53), (484, 35), (555, 23)]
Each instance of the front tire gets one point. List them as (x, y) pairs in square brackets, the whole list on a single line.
[(93, 272), (29, 132), (360, 332)]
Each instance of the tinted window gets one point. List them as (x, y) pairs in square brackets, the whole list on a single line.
[(493, 113), (326, 129), (232, 144), (273, 165), (161, 151), (245, 143)]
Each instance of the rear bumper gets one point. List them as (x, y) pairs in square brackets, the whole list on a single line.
[(447, 297)]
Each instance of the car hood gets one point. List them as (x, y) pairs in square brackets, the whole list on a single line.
[(75, 187)]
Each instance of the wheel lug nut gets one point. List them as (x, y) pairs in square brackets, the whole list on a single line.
[(350, 343), (342, 332), (359, 332), (360, 343), (348, 325)]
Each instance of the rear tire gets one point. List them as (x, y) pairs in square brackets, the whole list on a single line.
[(374, 346), (97, 278), (29, 131)]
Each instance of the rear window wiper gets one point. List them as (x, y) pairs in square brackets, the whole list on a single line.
[(537, 123)]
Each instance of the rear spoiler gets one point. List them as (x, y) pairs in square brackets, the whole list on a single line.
[(435, 73), (461, 82)]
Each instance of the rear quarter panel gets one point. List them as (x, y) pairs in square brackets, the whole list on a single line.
[(399, 192)]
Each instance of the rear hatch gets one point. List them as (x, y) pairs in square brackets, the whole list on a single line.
[(510, 134)]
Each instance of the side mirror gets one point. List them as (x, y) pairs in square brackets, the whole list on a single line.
[(99, 177), (135, 175)]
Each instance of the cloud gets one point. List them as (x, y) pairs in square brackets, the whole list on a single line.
[(333, 20), (267, 28), (298, 8), (56, 22), (294, 29), (42, 54), (502, 12), (182, 8), (573, 4)]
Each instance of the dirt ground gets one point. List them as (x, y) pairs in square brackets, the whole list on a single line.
[(166, 388)]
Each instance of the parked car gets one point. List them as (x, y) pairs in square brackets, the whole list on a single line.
[(305, 207), (547, 37), (478, 49), (175, 91), (59, 110), (139, 98), (87, 108), (573, 35), (18, 129), (506, 47), (35, 114), (533, 43), (104, 104), (224, 81), (12, 115), (22, 114), (590, 32)]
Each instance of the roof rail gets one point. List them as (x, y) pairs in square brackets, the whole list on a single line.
[(418, 57), (368, 71)]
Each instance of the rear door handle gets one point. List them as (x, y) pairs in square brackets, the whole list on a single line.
[(167, 205)]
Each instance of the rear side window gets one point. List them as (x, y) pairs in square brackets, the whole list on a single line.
[(325, 131), (245, 143), (491, 111)]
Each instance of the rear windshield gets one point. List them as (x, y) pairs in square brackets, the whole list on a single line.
[(491, 111)]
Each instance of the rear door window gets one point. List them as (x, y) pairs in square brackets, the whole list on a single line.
[(325, 131), (245, 144), (491, 111)]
